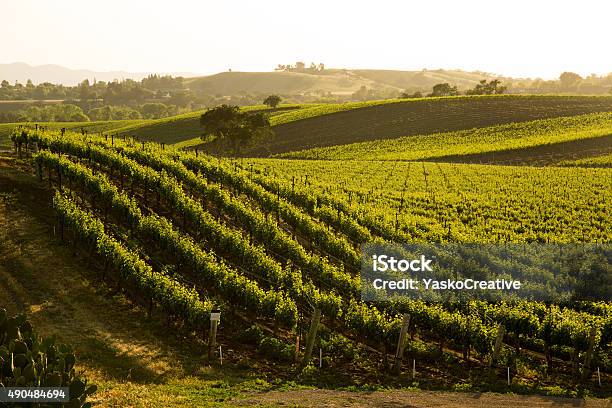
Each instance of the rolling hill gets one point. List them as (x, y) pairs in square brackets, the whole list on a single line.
[(336, 81), (556, 139), (307, 126), (174, 236), (425, 116)]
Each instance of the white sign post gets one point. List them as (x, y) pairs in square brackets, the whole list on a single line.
[(215, 318)]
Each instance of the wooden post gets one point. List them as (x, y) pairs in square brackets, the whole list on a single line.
[(586, 368), (297, 348), (312, 334), (598, 377), (215, 317), (62, 228), (320, 358), (401, 344), (498, 342)]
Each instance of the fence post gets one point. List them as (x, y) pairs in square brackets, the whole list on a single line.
[(586, 368), (501, 330), (312, 334), (401, 344)]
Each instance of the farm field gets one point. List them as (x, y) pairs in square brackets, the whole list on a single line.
[(208, 233), (173, 235), (594, 129), (424, 116), (324, 126), (456, 202), (330, 205), (180, 128), (172, 130)]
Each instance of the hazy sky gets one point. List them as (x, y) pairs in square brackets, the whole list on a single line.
[(515, 37)]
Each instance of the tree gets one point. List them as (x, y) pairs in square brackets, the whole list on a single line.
[(233, 129), (444, 89), (406, 95), (154, 110), (487, 88), (272, 101), (569, 81), (84, 93)]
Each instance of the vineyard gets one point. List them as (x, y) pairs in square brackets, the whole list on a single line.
[(276, 243), (351, 123), (601, 161), (472, 143)]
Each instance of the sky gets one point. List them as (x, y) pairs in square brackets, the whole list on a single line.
[(535, 38)]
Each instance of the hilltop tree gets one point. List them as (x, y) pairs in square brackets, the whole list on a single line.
[(272, 101), (233, 129), (407, 95), (444, 89), (569, 81), (493, 87)]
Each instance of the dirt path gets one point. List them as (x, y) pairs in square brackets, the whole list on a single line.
[(411, 399)]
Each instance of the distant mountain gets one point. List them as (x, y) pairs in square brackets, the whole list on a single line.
[(56, 74)]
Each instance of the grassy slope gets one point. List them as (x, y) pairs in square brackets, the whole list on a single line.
[(339, 81), (333, 124), (169, 130), (472, 141), (140, 362), (424, 116), (186, 127)]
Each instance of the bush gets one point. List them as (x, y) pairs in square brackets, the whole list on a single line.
[(276, 350), (27, 360)]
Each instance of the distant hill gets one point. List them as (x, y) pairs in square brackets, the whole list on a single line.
[(336, 81), (56, 74)]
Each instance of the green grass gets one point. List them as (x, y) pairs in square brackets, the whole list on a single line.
[(180, 128), (472, 141), (174, 129)]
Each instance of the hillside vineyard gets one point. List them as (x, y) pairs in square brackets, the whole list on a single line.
[(269, 241)]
